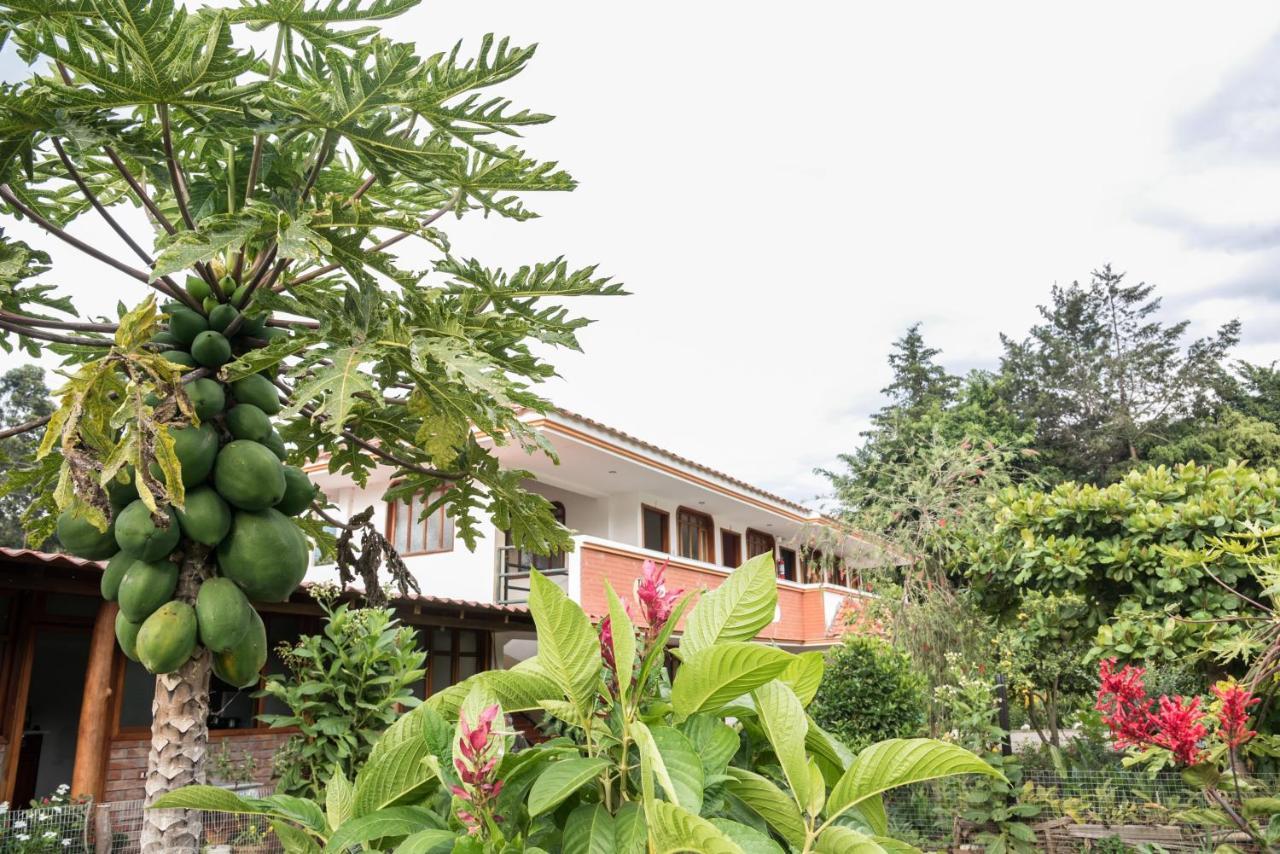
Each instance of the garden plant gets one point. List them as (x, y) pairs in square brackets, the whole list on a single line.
[(722, 759), (277, 184)]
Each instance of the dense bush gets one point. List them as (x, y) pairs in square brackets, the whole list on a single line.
[(870, 692)]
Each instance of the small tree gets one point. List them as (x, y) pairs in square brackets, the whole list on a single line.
[(278, 184), (343, 688), (870, 691), (24, 398)]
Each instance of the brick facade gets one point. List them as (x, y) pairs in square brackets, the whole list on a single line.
[(127, 760)]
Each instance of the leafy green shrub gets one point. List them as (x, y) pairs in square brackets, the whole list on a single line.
[(870, 691), (724, 761), (342, 688)]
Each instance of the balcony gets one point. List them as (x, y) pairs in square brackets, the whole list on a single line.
[(807, 615)]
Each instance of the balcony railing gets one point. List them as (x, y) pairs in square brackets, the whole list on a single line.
[(514, 569)]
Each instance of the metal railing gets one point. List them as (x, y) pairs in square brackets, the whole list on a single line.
[(513, 569)]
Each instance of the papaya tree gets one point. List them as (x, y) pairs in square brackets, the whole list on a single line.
[(254, 204)]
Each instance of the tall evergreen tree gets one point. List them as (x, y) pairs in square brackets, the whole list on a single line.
[(919, 383), (1102, 377)]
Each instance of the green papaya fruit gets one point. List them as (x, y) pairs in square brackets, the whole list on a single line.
[(113, 574), (198, 288), (223, 613), (185, 325), (146, 586), (179, 357), (121, 490), (207, 397), (211, 349), (196, 449), (210, 303), (127, 635), (165, 340), (206, 518), (265, 553), (167, 637), (239, 296), (79, 537), (246, 421), (220, 318), (254, 325), (248, 475), (258, 391), (275, 444), (139, 535), (299, 492), (241, 666)]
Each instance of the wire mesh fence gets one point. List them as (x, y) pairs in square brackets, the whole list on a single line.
[(1079, 810), (84, 827)]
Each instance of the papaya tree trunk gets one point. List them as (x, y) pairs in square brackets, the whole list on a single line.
[(179, 736)]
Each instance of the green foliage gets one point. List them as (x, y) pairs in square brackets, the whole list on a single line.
[(342, 688), (870, 691), (1112, 545), (23, 397), (736, 773)]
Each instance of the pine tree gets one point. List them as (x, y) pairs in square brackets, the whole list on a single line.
[(1102, 377)]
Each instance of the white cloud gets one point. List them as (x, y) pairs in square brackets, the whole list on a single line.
[(785, 187)]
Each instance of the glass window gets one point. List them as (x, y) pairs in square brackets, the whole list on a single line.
[(694, 531), (284, 628), (655, 524), (412, 534), (231, 708), (135, 700)]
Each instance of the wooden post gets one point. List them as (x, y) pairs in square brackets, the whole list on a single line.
[(89, 776)]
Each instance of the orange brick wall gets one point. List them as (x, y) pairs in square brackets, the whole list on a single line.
[(803, 619), (127, 761)]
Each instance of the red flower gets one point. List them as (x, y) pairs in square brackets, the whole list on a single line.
[(1233, 714), (1123, 701), (1178, 728), (656, 603), (476, 761), (606, 643)]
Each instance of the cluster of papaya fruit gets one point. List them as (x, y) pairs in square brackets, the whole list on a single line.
[(240, 496)]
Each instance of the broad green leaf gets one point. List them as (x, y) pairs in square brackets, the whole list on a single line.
[(568, 647), (651, 764), (804, 675), (737, 610), (214, 236), (897, 762), (833, 757), (339, 799), (712, 677), (1261, 806), (299, 810), (750, 840), (714, 740), (683, 766), (559, 780), (421, 723), (400, 774), (624, 641), (784, 722), (293, 840), (673, 829), (772, 804), (392, 822), (210, 799), (629, 832), (846, 840), (523, 688), (428, 841), (333, 391), (589, 830)]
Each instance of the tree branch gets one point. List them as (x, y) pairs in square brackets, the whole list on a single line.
[(175, 170), (6, 193), (27, 320), (169, 285), (140, 191), (25, 427), (53, 337)]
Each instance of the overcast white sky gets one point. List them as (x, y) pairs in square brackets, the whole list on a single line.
[(785, 187)]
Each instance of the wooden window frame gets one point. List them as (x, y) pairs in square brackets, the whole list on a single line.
[(709, 527), (444, 520), (770, 537), (666, 527), (483, 654), (736, 538)]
